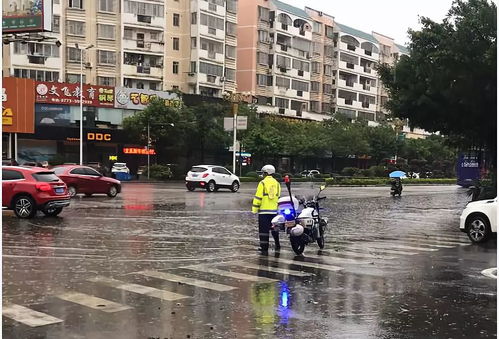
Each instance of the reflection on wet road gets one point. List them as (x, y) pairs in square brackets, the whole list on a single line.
[(161, 262)]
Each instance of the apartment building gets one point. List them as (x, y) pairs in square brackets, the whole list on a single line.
[(274, 59), (146, 44)]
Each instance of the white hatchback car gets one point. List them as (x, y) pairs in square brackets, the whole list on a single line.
[(479, 220), (211, 178), (120, 167)]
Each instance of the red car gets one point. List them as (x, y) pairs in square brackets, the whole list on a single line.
[(29, 189), (82, 179)]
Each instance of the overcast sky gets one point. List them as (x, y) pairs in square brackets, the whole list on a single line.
[(388, 17)]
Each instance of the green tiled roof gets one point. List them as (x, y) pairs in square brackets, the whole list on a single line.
[(290, 9), (402, 49), (356, 33)]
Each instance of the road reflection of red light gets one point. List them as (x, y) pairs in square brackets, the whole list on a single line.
[(201, 200), (137, 199), (138, 207)]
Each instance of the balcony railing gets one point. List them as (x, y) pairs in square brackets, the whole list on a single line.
[(144, 69), (144, 18)]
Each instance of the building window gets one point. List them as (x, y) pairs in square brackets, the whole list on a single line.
[(281, 103), (326, 107), (176, 44), (263, 13), (230, 74), (327, 88), (317, 27), (75, 78), (36, 75), (153, 86), (56, 24), (106, 31), (75, 27), (316, 67), (75, 4), (299, 86), (73, 54), (194, 18), (175, 87), (193, 42), (232, 6), (210, 69), (36, 49), (175, 67), (314, 86), (315, 106), (329, 32), (263, 36), (140, 85), (231, 28), (212, 22), (106, 57), (106, 81), (327, 69), (193, 67), (106, 6), (283, 62), (263, 58), (230, 51), (282, 82), (301, 65), (261, 80), (128, 33), (142, 8), (176, 19)]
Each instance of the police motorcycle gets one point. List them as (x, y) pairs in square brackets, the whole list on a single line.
[(304, 226)]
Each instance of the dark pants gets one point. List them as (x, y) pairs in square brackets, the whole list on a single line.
[(264, 227)]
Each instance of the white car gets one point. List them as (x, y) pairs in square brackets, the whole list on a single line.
[(211, 178), (479, 220), (310, 173), (120, 167)]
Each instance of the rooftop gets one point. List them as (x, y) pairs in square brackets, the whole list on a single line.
[(357, 33), (291, 9), (402, 49)]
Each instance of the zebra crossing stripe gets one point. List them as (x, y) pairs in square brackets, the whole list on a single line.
[(29, 317), (355, 254), (93, 302), (332, 259), (437, 240), (188, 281), (356, 247), (229, 274), (305, 264), (271, 269), (139, 289), (384, 245), (404, 241)]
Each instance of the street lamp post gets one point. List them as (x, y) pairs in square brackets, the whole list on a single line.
[(81, 99)]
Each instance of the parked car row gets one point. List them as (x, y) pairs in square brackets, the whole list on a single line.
[(26, 190)]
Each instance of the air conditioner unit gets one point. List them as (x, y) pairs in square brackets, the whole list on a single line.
[(282, 110), (320, 13), (88, 65), (299, 93), (300, 73)]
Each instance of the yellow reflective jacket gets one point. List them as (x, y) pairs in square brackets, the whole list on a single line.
[(266, 196)]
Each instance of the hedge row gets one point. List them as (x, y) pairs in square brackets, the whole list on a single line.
[(342, 181), (384, 181)]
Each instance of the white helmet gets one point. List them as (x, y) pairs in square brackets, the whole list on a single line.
[(297, 230), (269, 169)]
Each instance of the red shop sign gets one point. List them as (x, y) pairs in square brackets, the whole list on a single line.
[(137, 150), (62, 93)]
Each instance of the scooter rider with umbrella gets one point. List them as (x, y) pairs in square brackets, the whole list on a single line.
[(265, 203)]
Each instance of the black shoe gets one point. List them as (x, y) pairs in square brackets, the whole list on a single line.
[(263, 251)]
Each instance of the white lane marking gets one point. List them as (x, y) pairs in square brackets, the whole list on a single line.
[(408, 242), (354, 254), (490, 272), (270, 269), (438, 240), (93, 302), (354, 246), (305, 264), (386, 245), (331, 259), (28, 317), (229, 274), (46, 257), (188, 281), (56, 248), (139, 289)]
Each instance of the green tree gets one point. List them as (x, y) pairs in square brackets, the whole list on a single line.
[(383, 142), (448, 83)]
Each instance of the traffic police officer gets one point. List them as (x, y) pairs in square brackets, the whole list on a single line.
[(265, 204)]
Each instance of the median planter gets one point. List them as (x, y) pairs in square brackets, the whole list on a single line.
[(385, 181)]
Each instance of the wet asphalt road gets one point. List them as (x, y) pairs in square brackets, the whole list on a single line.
[(161, 262)]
